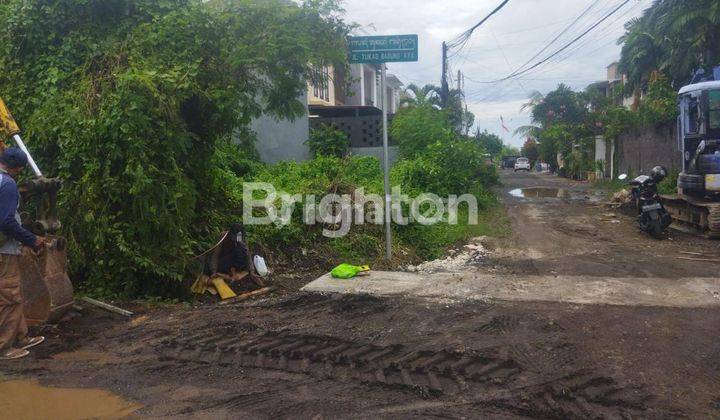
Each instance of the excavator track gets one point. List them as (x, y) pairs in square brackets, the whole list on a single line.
[(497, 380), (694, 215)]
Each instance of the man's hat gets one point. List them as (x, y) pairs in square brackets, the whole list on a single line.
[(13, 157)]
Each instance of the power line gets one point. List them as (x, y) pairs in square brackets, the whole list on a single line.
[(567, 53), (495, 89), (563, 32), (463, 37), (535, 69), (459, 42), (505, 56), (605, 31), (568, 45)]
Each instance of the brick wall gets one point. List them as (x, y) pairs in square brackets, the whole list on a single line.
[(640, 150)]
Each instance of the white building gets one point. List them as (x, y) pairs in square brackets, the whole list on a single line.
[(327, 88), (364, 88)]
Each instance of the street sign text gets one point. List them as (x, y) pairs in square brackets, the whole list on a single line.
[(383, 49)]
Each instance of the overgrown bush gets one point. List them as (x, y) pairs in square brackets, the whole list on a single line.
[(133, 104), (364, 243), (669, 184), (416, 128), (454, 167), (660, 105), (328, 141)]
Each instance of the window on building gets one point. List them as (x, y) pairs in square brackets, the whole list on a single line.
[(325, 93), (321, 82)]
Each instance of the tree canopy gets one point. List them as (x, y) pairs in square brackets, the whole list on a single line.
[(674, 37), (490, 142), (133, 104)]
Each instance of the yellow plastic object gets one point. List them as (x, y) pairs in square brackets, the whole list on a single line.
[(7, 123), (222, 288), (200, 285)]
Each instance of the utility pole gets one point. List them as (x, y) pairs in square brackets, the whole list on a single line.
[(444, 88)]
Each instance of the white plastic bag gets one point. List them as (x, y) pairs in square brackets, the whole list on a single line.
[(260, 266)]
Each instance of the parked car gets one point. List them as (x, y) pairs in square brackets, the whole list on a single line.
[(522, 164)]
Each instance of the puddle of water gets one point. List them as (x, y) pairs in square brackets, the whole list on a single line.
[(539, 193), (24, 399)]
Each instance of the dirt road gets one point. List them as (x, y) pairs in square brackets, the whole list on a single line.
[(304, 355)]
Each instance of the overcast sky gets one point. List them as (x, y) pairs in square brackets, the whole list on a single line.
[(508, 40)]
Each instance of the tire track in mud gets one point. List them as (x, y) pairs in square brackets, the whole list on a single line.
[(498, 381)]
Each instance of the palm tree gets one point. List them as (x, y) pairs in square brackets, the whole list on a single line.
[(695, 29), (674, 37), (428, 95), (530, 130), (642, 54)]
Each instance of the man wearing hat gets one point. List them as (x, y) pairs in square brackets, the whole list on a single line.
[(14, 341)]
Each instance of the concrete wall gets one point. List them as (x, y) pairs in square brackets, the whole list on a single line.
[(280, 140), (641, 150), (357, 86)]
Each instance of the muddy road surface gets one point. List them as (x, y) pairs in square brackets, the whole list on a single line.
[(565, 228), (301, 355)]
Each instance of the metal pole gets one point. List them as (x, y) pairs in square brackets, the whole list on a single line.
[(31, 161), (386, 165)]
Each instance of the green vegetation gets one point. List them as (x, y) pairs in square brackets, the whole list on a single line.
[(415, 128), (566, 122), (491, 143), (365, 243), (142, 108), (669, 184), (133, 104), (673, 37), (328, 141), (428, 96), (530, 150), (436, 159), (661, 49)]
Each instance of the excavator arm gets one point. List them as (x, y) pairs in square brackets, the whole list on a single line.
[(10, 128), (46, 288)]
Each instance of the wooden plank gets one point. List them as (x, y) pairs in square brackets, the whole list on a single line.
[(107, 307), (248, 295)]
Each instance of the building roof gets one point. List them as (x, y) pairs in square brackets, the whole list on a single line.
[(393, 81)]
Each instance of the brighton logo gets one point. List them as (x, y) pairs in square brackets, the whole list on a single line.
[(264, 205)]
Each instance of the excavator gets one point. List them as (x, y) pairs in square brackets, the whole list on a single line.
[(696, 206), (45, 286)]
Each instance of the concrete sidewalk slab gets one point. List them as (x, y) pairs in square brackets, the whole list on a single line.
[(635, 291)]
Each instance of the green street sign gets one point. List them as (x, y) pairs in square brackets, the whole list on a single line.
[(383, 49)]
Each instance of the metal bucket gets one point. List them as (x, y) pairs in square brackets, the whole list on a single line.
[(46, 288)]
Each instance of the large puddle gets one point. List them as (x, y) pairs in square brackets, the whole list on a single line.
[(24, 399), (539, 193)]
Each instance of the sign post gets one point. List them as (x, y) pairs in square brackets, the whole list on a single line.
[(380, 50), (386, 165)]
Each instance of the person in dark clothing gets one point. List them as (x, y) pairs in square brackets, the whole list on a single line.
[(14, 340), (234, 256)]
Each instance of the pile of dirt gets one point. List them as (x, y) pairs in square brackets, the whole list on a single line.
[(622, 197), (471, 255)]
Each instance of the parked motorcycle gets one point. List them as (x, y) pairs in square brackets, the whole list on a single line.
[(652, 216)]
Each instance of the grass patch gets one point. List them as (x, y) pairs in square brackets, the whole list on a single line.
[(611, 185), (431, 242)]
